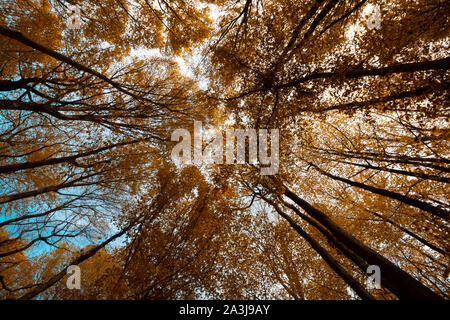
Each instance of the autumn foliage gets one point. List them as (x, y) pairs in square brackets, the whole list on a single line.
[(87, 179)]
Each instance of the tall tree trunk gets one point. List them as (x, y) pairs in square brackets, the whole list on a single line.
[(403, 285), (327, 257)]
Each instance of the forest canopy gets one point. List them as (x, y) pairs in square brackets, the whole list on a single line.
[(346, 100)]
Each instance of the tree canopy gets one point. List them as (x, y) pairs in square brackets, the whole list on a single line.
[(87, 175)]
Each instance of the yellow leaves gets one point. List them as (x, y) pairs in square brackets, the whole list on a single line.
[(186, 26), (16, 269), (194, 219), (43, 176), (100, 275)]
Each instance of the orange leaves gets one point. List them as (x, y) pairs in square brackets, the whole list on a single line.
[(16, 271), (100, 275), (94, 123)]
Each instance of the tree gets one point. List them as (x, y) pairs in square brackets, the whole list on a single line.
[(85, 148)]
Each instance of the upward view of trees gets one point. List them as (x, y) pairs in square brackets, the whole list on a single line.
[(87, 177)]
